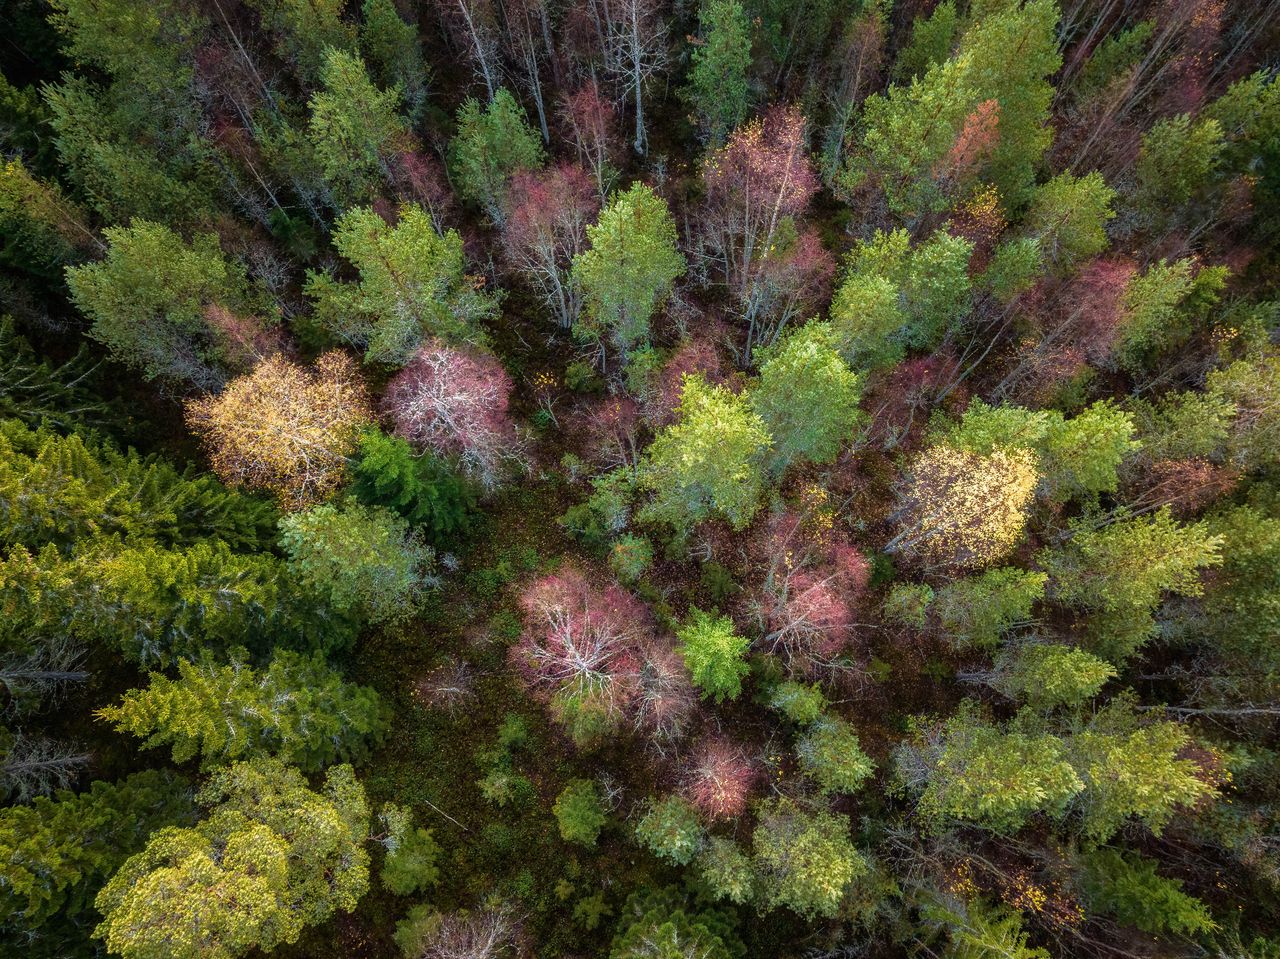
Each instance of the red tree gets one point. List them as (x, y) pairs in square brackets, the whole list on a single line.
[(693, 355), (807, 601), (548, 212), (974, 144), (454, 401), (720, 779), (593, 128), (581, 646), (611, 429)]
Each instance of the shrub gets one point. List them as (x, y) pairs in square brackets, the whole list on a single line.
[(580, 813)]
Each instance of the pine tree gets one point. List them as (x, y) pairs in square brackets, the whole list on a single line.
[(493, 144)]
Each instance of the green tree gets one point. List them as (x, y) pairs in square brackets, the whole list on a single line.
[(41, 231), (805, 861), (868, 321), (802, 704), (714, 653), (709, 462), (1068, 217), (493, 144), (932, 38), (392, 47), (57, 852), (726, 870), (363, 560), (718, 87), (354, 127), (1081, 454), (807, 397), (420, 487), (271, 858), (968, 770), (658, 924), (580, 812), (830, 753), (149, 301), (1128, 887), (671, 830), (1163, 308), (1177, 159), (413, 285), (1252, 385), (1046, 675), (1015, 266), (305, 31), (627, 273), (297, 709), (979, 931), (411, 853)]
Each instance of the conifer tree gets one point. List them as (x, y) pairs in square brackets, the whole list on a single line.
[(718, 86)]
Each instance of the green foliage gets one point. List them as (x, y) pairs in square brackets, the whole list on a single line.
[(981, 932), (628, 271), (41, 231), (804, 860), (977, 610), (800, 703), (931, 40), (671, 830), (62, 490), (1118, 53), (148, 301), (807, 397), (1177, 158), (354, 127), (1015, 266), (412, 854), (1128, 888), (714, 653), (40, 392), (392, 49), (631, 558), (1186, 425), (1081, 454), (718, 87), (56, 852), (305, 31), (297, 709), (420, 487), (580, 812), (413, 286), (1252, 385), (867, 317), (1163, 307), (271, 858), (363, 560), (965, 769), (1049, 675), (1068, 217), (709, 462), (659, 925), (908, 604), (726, 870), (605, 512), (493, 144), (831, 755)]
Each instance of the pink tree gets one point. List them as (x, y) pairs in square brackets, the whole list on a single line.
[(756, 186), (664, 695), (611, 429), (419, 178), (454, 401), (548, 213), (693, 355), (581, 648), (807, 600), (720, 779), (593, 127)]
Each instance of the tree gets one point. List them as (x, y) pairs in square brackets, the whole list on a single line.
[(1046, 675), (409, 864), (420, 487), (726, 870), (483, 934), (473, 26), (718, 87), (354, 127), (1068, 217), (148, 300), (454, 401), (362, 560), (830, 753), (1128, 887), (285, 428), (413, 286), (1163, 308), (979, 930), (43, 231), (965, 769), (545, 228), (708, 463), (714, 653), (306, 32), (671, 830), (1251, 385), (658, 924), (592, 122), (581, 648), (56, 852), (392, 46), (492, 145), (804, 860), (271, 858), (807, 397), (1177, 159), (580, 812), (719, 779), (932, 38), (1122, 571), (757, 186), (297, 710), (1083, 453), (628, 271), (963, 510)]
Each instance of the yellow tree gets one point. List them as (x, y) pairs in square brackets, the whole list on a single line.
[(285, 428), (961, 509)]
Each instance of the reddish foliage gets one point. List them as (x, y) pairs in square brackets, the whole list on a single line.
[(593, 127), (1186, 486), (418, 178), (694, 355), (581, 641), (1199, 34), (807, 601), (546, 227), (611, 430), (245, 339), (764, 170), (720, 779), (973, 145), (904, 396), (454, 401)]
